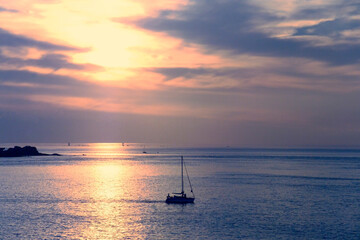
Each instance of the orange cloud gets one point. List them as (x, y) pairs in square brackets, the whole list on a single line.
[(109, 105)]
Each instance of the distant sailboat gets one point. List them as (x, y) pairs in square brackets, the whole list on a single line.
[(181, 197), (144, 150)]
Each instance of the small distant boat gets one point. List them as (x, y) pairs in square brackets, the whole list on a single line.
[(144, 150), (181, 197)]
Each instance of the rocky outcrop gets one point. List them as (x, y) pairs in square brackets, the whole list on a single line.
[(22, 152)]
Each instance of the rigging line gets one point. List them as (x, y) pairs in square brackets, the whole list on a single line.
[(188, 179)]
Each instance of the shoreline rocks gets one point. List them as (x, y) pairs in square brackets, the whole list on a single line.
[(23, 152)]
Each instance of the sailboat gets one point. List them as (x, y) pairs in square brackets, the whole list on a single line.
[(181, 197)]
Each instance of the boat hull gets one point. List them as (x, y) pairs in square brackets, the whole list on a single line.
[(180, 200)]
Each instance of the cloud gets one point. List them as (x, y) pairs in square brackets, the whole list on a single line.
[(22, 82), (18, 45), (8, 10), (8, 39), (337, 24), (332, 28), (332, 9), (207, 78), (280, 73), (53, 61), (238, 28), (315, 119)]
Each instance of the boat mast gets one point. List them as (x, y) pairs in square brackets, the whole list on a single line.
[(182, 176), (187, 174)]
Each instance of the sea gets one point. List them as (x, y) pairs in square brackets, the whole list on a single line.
[(116, 191)]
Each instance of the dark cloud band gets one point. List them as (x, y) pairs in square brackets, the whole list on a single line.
[(234, 26), (8, 39)]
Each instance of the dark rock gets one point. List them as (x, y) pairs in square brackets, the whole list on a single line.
[(22, 152)]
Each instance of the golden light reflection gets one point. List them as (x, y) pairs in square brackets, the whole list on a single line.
[(106, 149), (103, 194), (108, 178)]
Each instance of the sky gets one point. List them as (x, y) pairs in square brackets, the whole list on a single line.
[(277, 73)]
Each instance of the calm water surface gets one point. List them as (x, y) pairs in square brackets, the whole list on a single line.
[(110, 191)]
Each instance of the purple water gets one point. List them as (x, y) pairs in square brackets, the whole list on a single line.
[(110, 191)]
